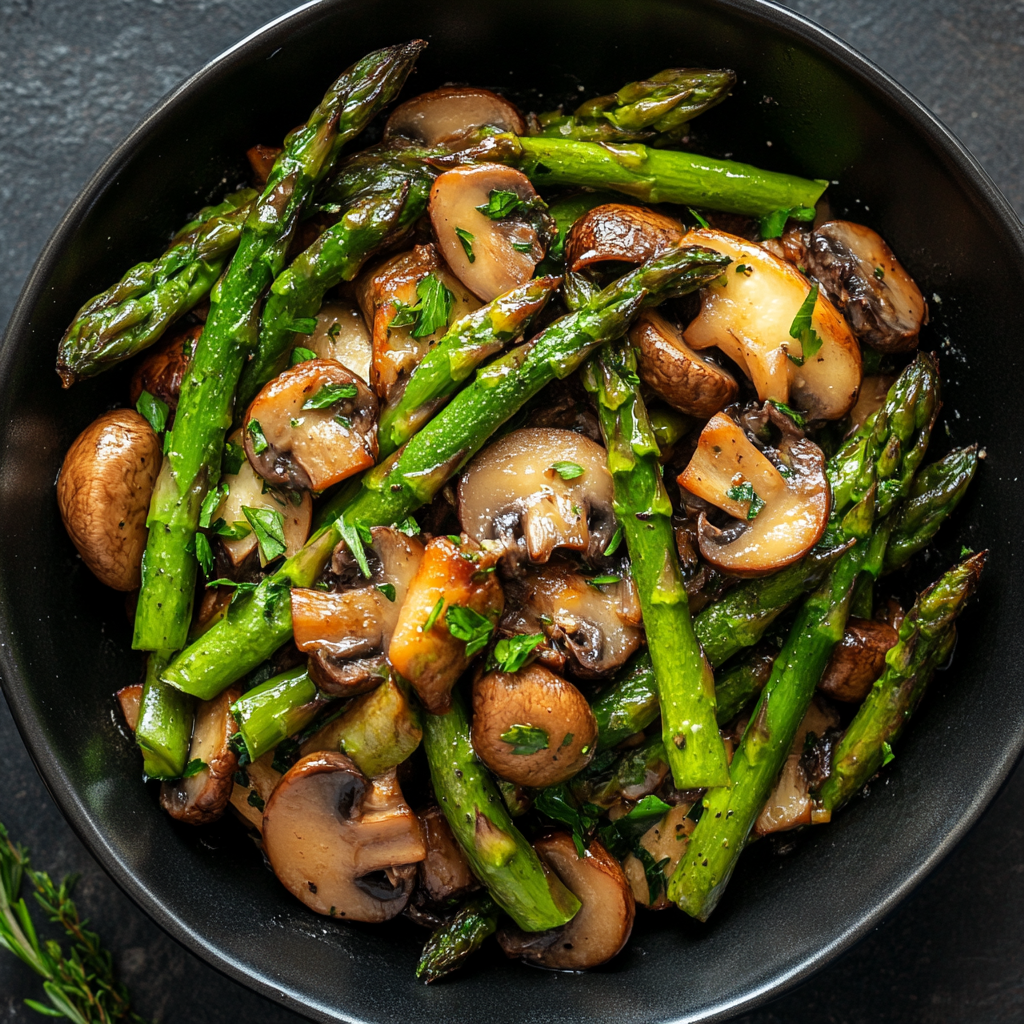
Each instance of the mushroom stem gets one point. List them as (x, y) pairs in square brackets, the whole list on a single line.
[(685, 682), (275, 709), (164, 727), (499, 855)]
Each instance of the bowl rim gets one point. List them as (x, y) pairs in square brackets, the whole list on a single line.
[(957, 160)]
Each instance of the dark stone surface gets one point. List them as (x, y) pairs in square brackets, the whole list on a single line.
[(74, 78)]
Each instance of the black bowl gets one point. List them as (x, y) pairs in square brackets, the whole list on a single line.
[(806, 103)]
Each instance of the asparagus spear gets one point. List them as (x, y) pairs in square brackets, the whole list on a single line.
[(662, 105), (926, 638), (134, 313), (275, 709), (452, 942), (497, 852), (164, 729), (629, 704), (375, 215), (195, 442), (414, 475), (683, 677), (467, 344)]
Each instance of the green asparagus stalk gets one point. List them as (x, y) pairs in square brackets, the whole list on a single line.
[(195, 443), (275, 709), (164, 729), (454, 941), (469, 341), (414, 475), (381, 214), (683, 676), (926, 638), (742, 680), (629, 705), (936, 491), (134, 313), (662, 105), (497, 852)]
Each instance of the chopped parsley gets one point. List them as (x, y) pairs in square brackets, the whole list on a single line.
[(523, 247), (604, 581), (268, 525), (408, 526), (435, 614), (351, 535), (259, 440), (567, 470), (210, 502), (234, 456), (303, 355), (500, 203), (333, 331), (204, 554), (810, 341), (774, 223), (697, 217), (510, 653), (526, 739), (429, 314), (388, 590), (745, 269), (467, 243), (613, 544), (153, 410), (879, 272), (887, 754), (194, 767), (745, 492), (470, 626), (255, 800), (789, 411), (304, 325), (329, 394), (559, 804)]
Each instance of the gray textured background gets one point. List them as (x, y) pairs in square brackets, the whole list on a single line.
[(74, 78)]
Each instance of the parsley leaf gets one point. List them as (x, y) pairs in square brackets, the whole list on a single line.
[(435, 614), (210, 502), (268, 525), (388, 590), (350, 534), (408, 526), (405, 315), (510, 653), (558, 803), (500, 203), (526, 739), (801, 329), (604, 581), (613, 544), (329, 394), (234, 456), (194, 767), (204, 553), (467, 243), (887, 753), (524, 247), (435, 306), (259, 441), (697, 217), (471, 626), (774, 223), (302, 355), (567, 470), (745, 492), (153, 410), (789, 411), (879, 273), (236, 531), (304, 325)]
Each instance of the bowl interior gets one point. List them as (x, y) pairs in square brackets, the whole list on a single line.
[(805, 104)]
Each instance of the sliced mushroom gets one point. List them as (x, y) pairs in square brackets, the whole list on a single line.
[(444, 872), (871, 398), (348, 633), (591, 628), (602, 925), (129, 699), (344, 845), (489, 255), (246, 490), (864, 279), (618, 231), (532, 727), (512, 492), (425, 648), (671, 369), (666, 842), (103, 491), (748, 314), (312, 427), (202, 797), (392, 291), (260, 779), (431, 118), (342, 335), (857, 660), (164, 367), (782, 511), (261, 160)]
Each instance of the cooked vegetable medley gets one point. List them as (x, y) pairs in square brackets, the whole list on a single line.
[(510, 506)]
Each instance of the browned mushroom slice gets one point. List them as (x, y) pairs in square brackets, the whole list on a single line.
[(342, 335), (432, 117), (103, 491), (202, 797), (344, 845), (348, 633), (749, 312), (870, 399), (129, 699), (446, 619), (672, 370), (666, 842), (601, 926), (444, 872), (858, 659), (404, 301), (261, 779), (591, 628), (617, 231), (164, 367), (884, 306), (245, 490), (538, 489), (532, 727), (781, 512), (261, 159), (312, 427), (490, 252)]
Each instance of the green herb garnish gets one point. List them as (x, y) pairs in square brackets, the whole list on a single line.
[(510, 653), (567, 470), (887, 754), (467, 243), (153, 410), (329, 394), (879, 272), (194, 767), (388, 590), (774, 223), (471, 626), (523, 247), (303, 355), (789, 411), (526, 739), (268, 525), (698, 218), (234, 456), (801, 329), (435, 614), (745, 492), (500, 203), (604, 581), (204, 553), (353, 538), (613, 545), (259, 440)]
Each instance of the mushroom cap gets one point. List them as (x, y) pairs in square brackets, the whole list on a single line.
[(502, 253), (675, 372), (341, 334), (602, 925), (511, 493), (858, 659), (309, 448), (339, 842), (103, 491), (748, 315), (530, 707), (164, 367), (434, 116), (795, 506), (620, 231)]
